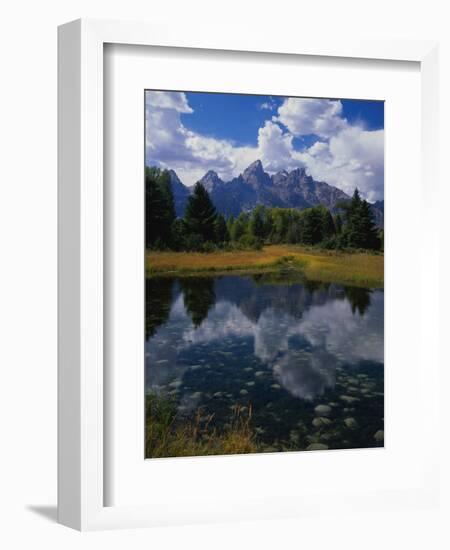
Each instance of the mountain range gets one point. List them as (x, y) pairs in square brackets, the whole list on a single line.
[(294, 189)]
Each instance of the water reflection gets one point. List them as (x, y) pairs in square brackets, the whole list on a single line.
[(214, 340), (158, 299), (199, 297)]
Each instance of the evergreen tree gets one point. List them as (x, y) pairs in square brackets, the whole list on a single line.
[(313, 230), (200, 216), (353, 221), (360, 230), (293, 234), (179, 235), (338, 224), (381, 239), (369, 231), (221, 230), (328, 228), (257, 228), (230, 222), (159, 208), (166, 188)]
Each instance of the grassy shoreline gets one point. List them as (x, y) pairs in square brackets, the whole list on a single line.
[(356, 268)]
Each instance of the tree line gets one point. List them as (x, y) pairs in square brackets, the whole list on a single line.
[(204, 229)]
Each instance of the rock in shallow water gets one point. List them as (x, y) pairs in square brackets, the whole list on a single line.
[(320, 421), (350, 423), (379, 436), (323, 409), (348, 399), (317, 447)]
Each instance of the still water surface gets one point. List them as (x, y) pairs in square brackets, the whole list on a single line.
[(308, 357)]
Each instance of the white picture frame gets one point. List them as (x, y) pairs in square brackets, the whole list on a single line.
[(81, 358)]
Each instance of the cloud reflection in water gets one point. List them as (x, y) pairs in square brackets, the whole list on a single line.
[(302, 343)]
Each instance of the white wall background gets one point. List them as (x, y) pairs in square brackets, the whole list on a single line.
[(28, 269)]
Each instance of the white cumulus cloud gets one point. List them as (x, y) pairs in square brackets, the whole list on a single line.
[(343, 155), (352, 158), (304, 116), (170, 144), (176, 101), (275, 147)]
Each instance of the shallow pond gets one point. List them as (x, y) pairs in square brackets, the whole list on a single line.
[(307, 357)]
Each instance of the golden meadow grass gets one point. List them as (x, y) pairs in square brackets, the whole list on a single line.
[(356, 268)]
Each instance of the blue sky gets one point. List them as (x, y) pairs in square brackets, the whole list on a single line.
[(238, 117), (340, 141)]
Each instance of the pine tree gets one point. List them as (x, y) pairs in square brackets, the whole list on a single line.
[(159, 209), (369, 231), (257, 228), (179, 235), (328, 227), (313, 231), (353, 235), (221, 230), (200, 215), (166, 188), (293, 232), (360, 230), (230, 222), (338, 224)]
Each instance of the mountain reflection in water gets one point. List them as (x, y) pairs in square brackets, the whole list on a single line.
[(213, 342)]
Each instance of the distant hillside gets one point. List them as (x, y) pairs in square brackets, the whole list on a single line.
[(254, 186)]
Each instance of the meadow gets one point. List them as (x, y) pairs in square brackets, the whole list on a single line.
[(358, 268)]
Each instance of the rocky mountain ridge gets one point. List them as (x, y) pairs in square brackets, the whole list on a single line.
[(284, 189)]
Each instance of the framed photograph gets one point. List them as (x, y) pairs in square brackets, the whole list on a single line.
[(244, 330), (264, 300)]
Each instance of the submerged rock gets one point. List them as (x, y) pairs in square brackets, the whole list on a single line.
[(321, 421), (348, 399), (379, 436), (322, 409), (350, 423), (317, 447)]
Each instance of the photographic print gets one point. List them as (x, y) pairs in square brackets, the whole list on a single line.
[(264, 274)]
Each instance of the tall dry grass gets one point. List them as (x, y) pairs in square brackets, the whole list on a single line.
[(166, 436), (356, 268)]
